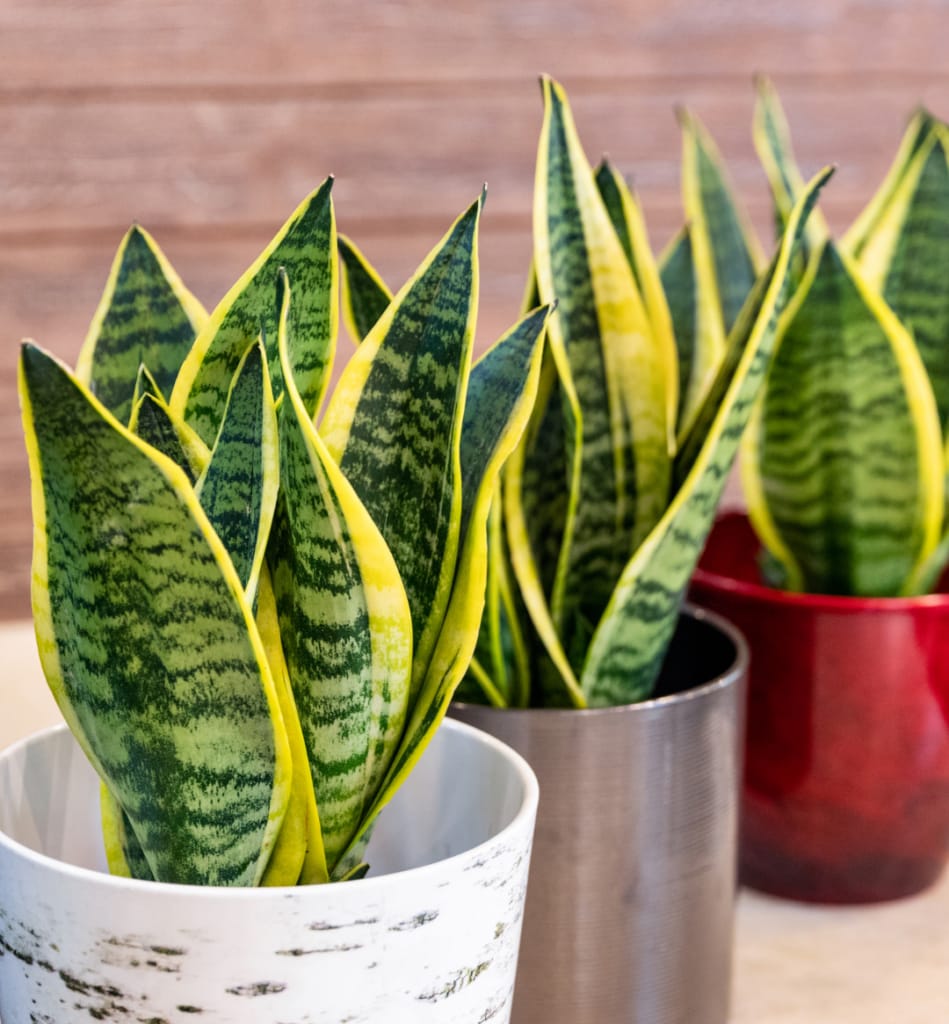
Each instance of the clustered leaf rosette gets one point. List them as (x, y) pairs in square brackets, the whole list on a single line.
[(254, 616), (844, 464), (649, 378)]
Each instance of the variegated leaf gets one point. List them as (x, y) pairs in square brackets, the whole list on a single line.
[(500, 398), (843, 473), (906, 259), (631, 639), (306, 247), (772, 138), (147, 642), (864, 227), (394, 424), (146, 315), (725, 255), (365, 294), (614, 375), (677, 274), (344, 620), (238, 489)]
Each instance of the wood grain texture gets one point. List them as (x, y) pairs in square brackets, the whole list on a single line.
[(209, 122)]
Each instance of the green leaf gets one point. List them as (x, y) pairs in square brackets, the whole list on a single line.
[(631, 639), (344, 620), (865, 226), (147, 642), (677, 274), (725, 256), (123, 853), (844, 467), (500, 397), (627, 218), (614, 375), (365, 294), (772, 138), (394, 424), (146, 315), (306, 247), (906, 257), (238, 489)]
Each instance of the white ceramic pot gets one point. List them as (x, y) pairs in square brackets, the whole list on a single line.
[(430, 936)]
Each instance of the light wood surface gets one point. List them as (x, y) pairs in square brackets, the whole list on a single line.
[(208, 122), (793, 964)]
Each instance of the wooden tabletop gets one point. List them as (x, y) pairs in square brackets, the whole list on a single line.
[(794, 964)]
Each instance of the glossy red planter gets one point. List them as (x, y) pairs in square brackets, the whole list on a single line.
[(846, 792)]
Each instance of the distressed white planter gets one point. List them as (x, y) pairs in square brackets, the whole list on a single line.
[(430, 936)]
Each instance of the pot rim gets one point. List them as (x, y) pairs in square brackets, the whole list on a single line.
[(842, 603), (521, 820), (732, 676)]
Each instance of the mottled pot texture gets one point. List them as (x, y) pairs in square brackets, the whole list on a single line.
[(846, 791), (630, 907), (430, 936)]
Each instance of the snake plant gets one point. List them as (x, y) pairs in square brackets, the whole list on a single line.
[(844, 465), (253, 617), (648, 379)]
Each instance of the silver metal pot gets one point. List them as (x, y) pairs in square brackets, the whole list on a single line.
[(630, 904)]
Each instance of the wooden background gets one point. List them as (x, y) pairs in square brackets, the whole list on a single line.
[(207, 122)]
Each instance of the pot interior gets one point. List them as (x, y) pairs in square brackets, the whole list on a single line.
[(702, 650), (464, 791)]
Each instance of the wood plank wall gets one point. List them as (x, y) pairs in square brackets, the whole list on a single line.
[(207, 122)]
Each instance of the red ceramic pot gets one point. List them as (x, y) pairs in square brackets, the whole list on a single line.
[(846, 792)]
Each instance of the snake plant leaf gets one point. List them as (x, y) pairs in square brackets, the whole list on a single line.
[(863, 228), (772, 139), (306, 247), (631, 639), (238, 489), (365, 294), (298, 854), (394, 424), (147, 642), (850, 501), (677, 277), (123, 852), (344, 619), (907, 255), (614, 376), (536, 492), (627, 218), (146, 315), (502, 646), (152, 422), (726, 256), (501, 394)]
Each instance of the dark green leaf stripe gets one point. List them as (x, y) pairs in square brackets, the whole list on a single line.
[(146, 315), (306, 248), (608, 183), (865, 226), (602, 337), (500, 398), (345, 625), (147, 642), (905, 259), (631, 639), (722, 239), (678, 283), (238, 490), (365, 294), (394, 424), (842, 438)]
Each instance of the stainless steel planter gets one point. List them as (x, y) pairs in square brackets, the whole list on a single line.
[(630, 903)]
